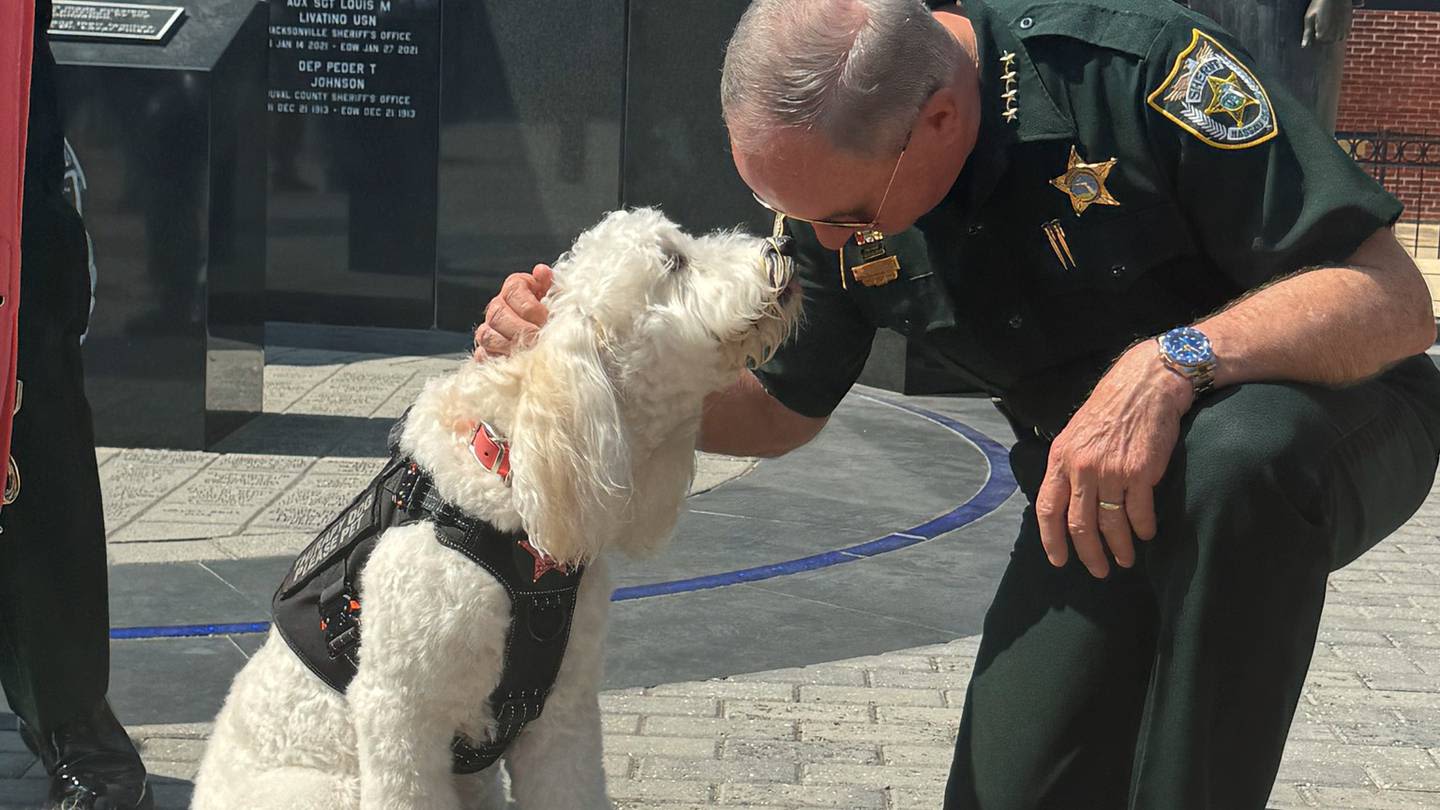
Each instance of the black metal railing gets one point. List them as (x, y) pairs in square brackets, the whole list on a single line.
[(1407, 165)]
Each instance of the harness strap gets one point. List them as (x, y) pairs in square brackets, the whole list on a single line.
[(511, 716), (541, 612), (318, 610), (415, 494)]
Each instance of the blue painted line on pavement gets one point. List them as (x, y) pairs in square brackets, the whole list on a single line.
[(998, 487), (189, 630)]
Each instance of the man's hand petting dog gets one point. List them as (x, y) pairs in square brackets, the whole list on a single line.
[(513, 317)]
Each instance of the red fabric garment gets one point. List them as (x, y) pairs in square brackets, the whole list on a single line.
[(17, 31)]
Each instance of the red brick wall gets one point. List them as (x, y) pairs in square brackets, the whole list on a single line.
[(1392, 82)]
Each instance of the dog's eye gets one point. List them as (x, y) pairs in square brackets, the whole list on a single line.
[(675, 262)]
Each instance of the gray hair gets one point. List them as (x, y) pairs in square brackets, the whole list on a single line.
[(855, 71)]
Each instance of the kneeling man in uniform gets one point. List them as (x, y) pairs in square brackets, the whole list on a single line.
[(1189, 303)]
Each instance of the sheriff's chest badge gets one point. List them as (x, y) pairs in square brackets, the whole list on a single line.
[(1084, 183)]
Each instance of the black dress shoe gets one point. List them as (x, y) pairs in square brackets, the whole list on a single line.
[(92, 763)]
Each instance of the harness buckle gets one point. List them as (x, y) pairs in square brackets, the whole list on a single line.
[(492, 451), (340, 621), (406, 490)]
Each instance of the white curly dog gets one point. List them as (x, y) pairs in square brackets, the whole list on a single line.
[(602, 413)]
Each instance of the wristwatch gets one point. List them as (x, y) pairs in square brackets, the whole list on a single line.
[(1187, 352)]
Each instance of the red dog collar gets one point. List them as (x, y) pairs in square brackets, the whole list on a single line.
[(491, 451)]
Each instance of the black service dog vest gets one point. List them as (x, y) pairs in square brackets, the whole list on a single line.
[(318, 609)]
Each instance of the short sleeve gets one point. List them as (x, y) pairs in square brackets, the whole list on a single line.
[(1265, 189), (816, 368)]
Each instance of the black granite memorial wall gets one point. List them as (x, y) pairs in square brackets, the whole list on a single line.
[(353, 105), (541, 118), (412, 170), (532, 119), (411, 152), (677, 154), (168, 170)]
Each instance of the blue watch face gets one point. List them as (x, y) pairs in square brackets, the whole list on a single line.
[(1187, 346)]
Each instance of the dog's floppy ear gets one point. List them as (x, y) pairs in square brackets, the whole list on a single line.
[(570, 458)]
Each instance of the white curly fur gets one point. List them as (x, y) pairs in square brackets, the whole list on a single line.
[(603, 413)]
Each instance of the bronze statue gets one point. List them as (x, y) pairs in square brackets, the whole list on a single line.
[(1298, 42)]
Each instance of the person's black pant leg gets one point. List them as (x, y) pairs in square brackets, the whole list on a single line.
[(1054, 703), (1176, 691), (1274, 487), (54, 615)]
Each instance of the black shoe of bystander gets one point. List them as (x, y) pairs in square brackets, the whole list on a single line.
[(92, 764)]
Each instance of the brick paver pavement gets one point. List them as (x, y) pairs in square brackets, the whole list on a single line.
[(876, 732)]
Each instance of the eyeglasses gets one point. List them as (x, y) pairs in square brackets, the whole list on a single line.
[(853, 226)]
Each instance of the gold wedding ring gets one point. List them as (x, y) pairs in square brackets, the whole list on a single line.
[(1111, 507)]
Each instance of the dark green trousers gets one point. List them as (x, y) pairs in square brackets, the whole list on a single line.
[(54, 620), (1171, 686)]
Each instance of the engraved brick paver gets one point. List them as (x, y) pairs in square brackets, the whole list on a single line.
[(873, 732)]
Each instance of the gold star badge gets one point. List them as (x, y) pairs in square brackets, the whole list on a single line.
[(1227, 96), (1084, 183)]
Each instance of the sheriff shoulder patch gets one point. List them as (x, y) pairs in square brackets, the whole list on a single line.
[(1213, 96)]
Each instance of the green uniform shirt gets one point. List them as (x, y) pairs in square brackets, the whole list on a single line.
[(1223, 182)]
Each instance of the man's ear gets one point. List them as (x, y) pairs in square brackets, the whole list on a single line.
[(940, 115)]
